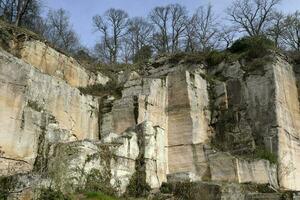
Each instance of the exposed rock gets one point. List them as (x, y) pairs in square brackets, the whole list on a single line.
[(197, 129), (30, 102), (54, 63)]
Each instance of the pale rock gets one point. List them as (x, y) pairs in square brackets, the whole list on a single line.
[(54, 63), (28, 98), (222, 167), (188, 122), (258, 172), (182, 177)]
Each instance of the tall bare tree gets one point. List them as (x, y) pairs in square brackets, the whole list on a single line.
[(206, 28), (252, 16), (276, 30), (159, 17), (190, 44), (113, 26), (60, 31), (139, 33), (227, 36), (22, 7), (178, 15), (291, 34), (19, 11)]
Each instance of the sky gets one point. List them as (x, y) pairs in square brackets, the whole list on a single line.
[(82, 11)]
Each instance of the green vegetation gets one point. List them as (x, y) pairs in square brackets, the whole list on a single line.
[(9, 32), (6, 185), (111, 88), (98, 196), (138, 186), (262, 153), (98, 182), (50, 194), (35, 106), (252, 47), (144, 54)]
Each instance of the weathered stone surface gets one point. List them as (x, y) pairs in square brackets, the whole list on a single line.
[(206, 190), (258, 172), (188, 122), (227, 168), (182, 177), (263, 111), (27, 99), (142, 99), (70, 163), (223, 167), (266, 196), (54, 63)]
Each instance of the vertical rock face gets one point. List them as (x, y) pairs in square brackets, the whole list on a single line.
[(288, 125), (219, 128), (188, 121), (26, 96), (142, 100), (263, 112), (56, 64)]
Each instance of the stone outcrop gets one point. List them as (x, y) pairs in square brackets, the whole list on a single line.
[(229, 131), (32, 102), (263, 112)]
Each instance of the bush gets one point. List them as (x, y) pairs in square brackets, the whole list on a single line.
[(99, 183), (110, 88), (262, 153), (50, 194), (99, 195), (215, 57), (137, 186), (144, 54), (253, 47)]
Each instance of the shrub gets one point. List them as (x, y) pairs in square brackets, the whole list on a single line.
[(50, 194), (144, 54), (262, 153), (137, 186), (215, 57), (253, 47), (99, 195), (99, 183), (111, 87)]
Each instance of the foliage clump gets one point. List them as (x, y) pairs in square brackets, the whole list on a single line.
[(252, 47), (110, 88), (99, 195), (262, 153), (98, 182), (50, 194)]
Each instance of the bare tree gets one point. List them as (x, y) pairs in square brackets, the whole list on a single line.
[(227, 36), (113, 27), (60, 31), (190, 44), (139, 34), (178, 24), (206, 28), (102, 52), (252, 16), (291, 34), (22, 6), (19, 11), (276, 30), (159, 17)]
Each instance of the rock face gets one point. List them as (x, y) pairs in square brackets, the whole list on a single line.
[(56, 64), (263, 112), (221, 132), (28, 98)]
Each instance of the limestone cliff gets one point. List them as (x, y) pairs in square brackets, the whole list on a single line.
[(222, 132)]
